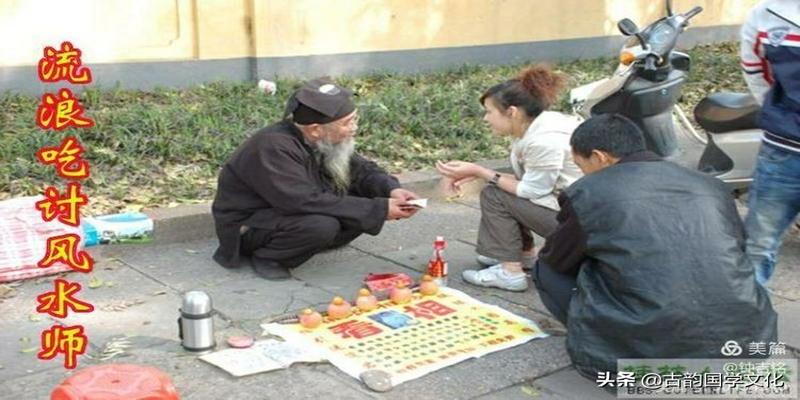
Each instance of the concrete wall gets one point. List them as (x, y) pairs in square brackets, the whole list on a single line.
[(146, 43)]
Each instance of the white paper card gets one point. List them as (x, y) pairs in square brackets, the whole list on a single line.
[(263, 356), (421, 203)]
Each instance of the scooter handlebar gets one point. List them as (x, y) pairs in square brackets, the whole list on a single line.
[(691, 13)]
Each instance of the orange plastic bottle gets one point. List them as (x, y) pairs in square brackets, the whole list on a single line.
[(437, 266)]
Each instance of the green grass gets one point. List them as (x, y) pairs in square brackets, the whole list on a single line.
[(164, 147)]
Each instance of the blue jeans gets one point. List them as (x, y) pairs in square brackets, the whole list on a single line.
[(774, 201)]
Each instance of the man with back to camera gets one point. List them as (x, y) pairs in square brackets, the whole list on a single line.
[(648, 258), (297, 187)]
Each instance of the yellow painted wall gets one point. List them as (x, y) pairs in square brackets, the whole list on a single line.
[(106, 31), (303, 27), (168, 30)]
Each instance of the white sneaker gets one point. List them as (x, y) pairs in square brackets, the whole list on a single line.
[(497, 277), (527, 261), (487, 261)]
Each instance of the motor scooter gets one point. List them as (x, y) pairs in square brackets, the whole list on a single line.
[(646, 87)]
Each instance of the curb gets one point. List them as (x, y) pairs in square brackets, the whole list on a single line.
[(194, 222)]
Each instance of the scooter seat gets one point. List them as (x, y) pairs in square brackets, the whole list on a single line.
[(726, 112)]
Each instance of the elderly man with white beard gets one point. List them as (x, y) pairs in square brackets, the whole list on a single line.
[(296, 188)]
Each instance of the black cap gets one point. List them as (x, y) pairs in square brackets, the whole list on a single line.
[(319, 101)]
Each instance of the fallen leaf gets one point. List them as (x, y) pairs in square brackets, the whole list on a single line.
[(24, 339), (159, 292), (111, 349), (190, 251), (34, 317), (453, 198), (95, 282), (122, 305), (7, 292), (134, 207), (530, 391), (29, 350)]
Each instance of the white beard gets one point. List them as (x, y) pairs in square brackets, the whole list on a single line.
[(336, 161)]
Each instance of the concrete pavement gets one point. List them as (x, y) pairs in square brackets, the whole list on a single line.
[(137, 296)]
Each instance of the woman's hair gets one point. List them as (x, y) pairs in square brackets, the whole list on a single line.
[(534, 90)]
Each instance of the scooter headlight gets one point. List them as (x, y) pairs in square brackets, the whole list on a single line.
[(627, 58)]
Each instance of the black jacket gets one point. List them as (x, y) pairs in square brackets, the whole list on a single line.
[(661, 271), (275, 173)]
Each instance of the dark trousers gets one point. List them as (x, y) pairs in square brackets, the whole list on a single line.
[(555, 289), (295, 239)]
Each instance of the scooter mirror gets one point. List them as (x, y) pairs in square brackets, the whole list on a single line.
[(628, 27), (669, 8)]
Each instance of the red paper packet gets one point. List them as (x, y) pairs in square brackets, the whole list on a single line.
[(382, 283)]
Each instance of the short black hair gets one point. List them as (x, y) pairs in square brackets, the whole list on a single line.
[(611, 133)]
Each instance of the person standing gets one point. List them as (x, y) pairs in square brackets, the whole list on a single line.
[(770, 58)]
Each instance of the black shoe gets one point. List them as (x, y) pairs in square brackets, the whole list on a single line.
[(271, 270), (226, 263)]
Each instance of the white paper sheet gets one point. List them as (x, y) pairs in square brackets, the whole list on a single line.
[(263, 356)]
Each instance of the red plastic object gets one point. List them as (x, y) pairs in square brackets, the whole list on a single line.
[(116, 382), (240, 342), (384, 282)]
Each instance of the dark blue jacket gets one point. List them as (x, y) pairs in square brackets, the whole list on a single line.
[(771, 62)]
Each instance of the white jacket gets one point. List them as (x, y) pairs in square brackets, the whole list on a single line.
[(542, 159)]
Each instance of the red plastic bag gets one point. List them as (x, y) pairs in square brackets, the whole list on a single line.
[(23, 239)]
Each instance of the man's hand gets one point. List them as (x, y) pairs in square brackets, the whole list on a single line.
[(399, 209), (402, 194)]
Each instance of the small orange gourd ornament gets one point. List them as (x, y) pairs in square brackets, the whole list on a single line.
[(338, 308), (366, 301), (400, 294), (428, 287), (310, 319)]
